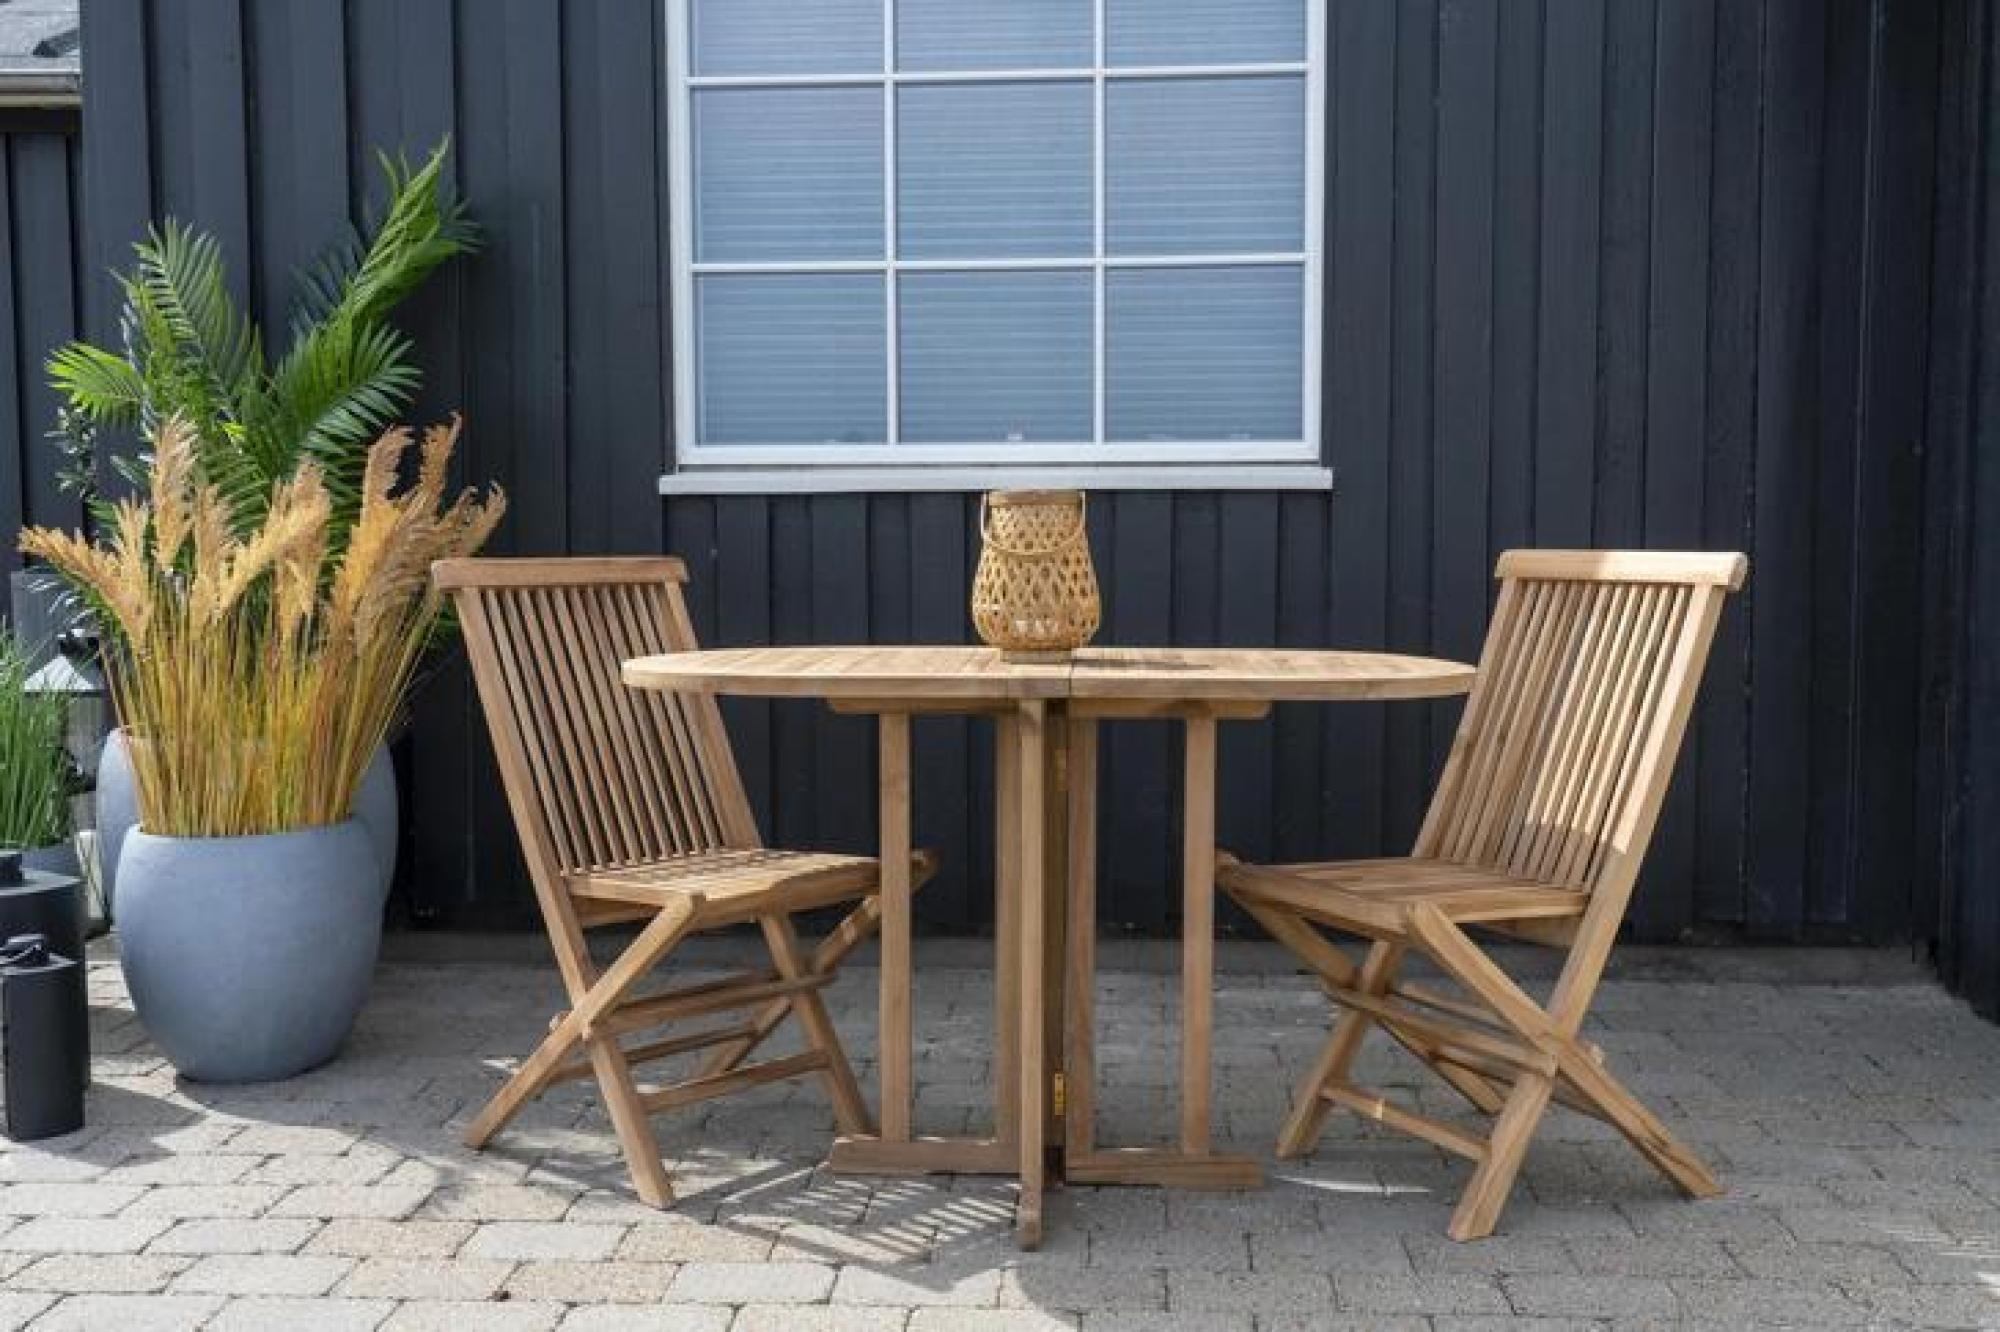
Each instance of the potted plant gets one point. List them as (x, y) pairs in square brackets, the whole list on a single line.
[(256, 679), (37, 777), (250, 420)]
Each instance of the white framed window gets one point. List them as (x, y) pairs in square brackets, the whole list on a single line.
[(916, 241)]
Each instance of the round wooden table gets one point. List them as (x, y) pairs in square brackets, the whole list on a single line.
[(1045, 852)]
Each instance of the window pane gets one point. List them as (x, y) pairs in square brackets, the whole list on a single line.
[(1205, 166), (1204, 353), (786, 36), (994, 34), (1203, 32), (792, 359), (788, 174), (996, 356), (994, 171)]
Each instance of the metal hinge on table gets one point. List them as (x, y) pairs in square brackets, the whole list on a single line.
[(1058, 1097)]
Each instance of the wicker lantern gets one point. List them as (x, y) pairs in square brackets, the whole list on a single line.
[(1035, 594)]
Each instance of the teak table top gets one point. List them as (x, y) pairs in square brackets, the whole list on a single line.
[(1136, 673)]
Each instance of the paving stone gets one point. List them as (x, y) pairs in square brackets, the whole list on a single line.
[(130, 1313), (261, 1235), (647, 1318), (1975, 1305), (1315, 1250), (361, 1238), (19, 1309), (1122, 1320), (810, 1318), (101, 1273), (521, 1240), (1337, 1322), (991, 1320), (1079, 1289), (1545, 1295), (672, 1240), (1182, 1249), (1494, 1256), (1831, 1261), (591, 1282), (1656, 1256), (425, 1279), (914, 1286), (265, 1314), (63, 1234), (1742, 1303), (472, 1316), (498, 1202), (262, 1274), (377, 1202), (206, 1201), (185, 1168), (744, 1283), (1436, 1294), (66, 1199)]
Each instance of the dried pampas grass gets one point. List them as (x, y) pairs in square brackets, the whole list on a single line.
[(256, 684)]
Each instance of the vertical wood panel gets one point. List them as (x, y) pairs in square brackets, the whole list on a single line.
[(1787, 424), (1360, 318)]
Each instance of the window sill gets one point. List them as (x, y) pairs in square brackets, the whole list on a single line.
[(824, 480)]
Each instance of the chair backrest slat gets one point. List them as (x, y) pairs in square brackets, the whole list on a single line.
[(1568, 740), (599, 775)]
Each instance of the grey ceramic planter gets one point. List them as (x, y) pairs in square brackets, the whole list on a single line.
[(375, 805), (117, 813), (375, 809), (248, 958)]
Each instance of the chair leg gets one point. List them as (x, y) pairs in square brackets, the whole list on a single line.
[(1309, 1109), (1640, 1126), (614, 1072), (629, 1121), (850, 1109), (853, 930), (1479, 1209), (527, 1083)]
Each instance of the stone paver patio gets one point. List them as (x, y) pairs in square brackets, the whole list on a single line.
[(1852, 1108)]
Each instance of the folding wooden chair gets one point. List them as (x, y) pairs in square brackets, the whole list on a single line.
[(1537, 830), (629, 809)]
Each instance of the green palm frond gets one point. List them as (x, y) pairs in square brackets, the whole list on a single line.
[(346, 375), (419, 230), (106, 387)]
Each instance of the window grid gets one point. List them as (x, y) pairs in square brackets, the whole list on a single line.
[(1097, 449)]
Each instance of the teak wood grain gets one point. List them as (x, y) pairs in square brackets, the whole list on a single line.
[(1538, 829), (629, 808)]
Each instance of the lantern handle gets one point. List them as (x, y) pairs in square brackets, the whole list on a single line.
[(986, 529)]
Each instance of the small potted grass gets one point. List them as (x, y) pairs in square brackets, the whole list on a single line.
[(256, 676), (37, 778)]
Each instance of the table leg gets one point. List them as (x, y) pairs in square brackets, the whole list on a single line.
[(1080, 1036), (897, 1149), (1031, 733), (1007, 930), (1192, 1162), (1198, 935), (896, 1034)]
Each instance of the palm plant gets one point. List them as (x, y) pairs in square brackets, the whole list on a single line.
[(36, 775), (189, 352)]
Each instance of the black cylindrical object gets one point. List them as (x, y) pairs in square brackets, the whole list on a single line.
[(35, 902), (44, 1023)]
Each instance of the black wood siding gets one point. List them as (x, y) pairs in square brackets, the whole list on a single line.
[(1959, 770), (1652, 272), (40, 240)]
